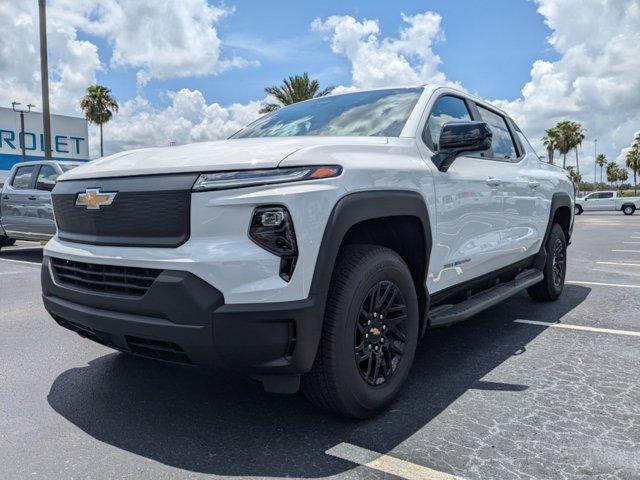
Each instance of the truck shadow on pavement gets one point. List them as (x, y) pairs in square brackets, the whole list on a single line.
[(225, 424)]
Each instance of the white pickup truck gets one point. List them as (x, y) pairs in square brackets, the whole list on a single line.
[(316, 246), (606, 201)]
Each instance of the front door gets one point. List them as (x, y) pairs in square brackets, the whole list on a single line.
[(18, 201), (43, 222), (469, 205)]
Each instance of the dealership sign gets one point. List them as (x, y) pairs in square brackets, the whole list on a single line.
[(69, 138)]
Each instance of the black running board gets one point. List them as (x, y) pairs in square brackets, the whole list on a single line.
[(448, 314)]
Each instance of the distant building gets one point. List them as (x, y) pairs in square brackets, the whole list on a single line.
[(69, 138)]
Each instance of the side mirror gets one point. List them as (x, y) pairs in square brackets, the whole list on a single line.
[(457, 138)]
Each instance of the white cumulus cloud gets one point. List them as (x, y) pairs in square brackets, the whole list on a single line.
[(376, 62), (187, 118), (595, 81)]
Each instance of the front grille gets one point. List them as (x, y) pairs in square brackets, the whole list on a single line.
[(131, 281), (149, 211)]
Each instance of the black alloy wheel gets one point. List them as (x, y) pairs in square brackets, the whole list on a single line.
[(380, 333)]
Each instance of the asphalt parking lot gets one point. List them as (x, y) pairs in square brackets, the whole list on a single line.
[(525, 390)]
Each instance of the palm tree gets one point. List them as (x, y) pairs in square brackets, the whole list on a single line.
[(577, 134), (623, 175), (99, 106), (633, 163), (294, 89), (550, 141), (612, 172), (566, 138), (601, 161)]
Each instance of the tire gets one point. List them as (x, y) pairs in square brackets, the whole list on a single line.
[(628, 209), (6, 241), (339, 383), (555, 268), (577, 210)]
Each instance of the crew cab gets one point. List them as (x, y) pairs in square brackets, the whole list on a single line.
[(315, 246), (606, 201), (25, 201)]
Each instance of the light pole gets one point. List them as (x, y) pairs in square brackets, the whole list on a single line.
[(595, 162), (21, 138), (44, 76)]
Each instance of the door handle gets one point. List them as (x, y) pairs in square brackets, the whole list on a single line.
[(33, 197), (494, 182), (5, 197), (534, 184)]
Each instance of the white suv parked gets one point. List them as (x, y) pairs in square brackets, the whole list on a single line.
[(315, 246)]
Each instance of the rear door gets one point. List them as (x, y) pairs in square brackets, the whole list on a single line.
[(18, 201)]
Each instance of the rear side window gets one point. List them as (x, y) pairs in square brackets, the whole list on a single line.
[(446, 109), (606, 195), (23, 178), (46, 178), (502, 144)]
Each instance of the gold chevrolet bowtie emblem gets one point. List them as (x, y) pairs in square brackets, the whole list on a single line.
[(375, 331), (93, 198)]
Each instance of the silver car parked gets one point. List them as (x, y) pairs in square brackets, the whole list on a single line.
[(25, 201)]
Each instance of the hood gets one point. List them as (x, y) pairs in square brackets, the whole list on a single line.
[(234, 154)]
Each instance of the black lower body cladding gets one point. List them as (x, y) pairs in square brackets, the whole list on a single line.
[(183, 319)]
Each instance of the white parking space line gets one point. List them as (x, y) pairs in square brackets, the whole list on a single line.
[(18, 272), (387, 464), (19, 249), (35, 264), (632, 243), (580, 327), (602, 284), (623, 264), (627, 251)]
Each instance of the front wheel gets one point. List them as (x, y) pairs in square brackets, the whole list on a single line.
[(628, 209), (577, 210), (369, 334), (555, 268)]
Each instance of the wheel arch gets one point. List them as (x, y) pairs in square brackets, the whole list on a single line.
[(561, 212), (378, 217)]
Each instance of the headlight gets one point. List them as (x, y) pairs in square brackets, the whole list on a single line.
[(251, 178), (271, 228)]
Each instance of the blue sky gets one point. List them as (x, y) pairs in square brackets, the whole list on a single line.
[(195, 70), (489, 47)]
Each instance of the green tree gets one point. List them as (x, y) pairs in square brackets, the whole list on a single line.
[(612, 172), (575, 177), (623, 175), (551, 141), (633, 164), (601, 161), (565, 139), (294, 89), (577, 137), (99, 106)]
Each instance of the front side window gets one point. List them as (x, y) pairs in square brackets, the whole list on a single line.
[(446, 109), (502, 144), (46, 178), (23, 177), (378, 113)]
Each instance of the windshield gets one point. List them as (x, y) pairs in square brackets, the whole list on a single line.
[(378, 113), (68, 166)]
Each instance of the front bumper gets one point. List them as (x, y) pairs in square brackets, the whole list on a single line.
[(183, 319)]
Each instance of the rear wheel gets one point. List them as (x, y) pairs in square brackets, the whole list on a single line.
[(6, 241), (369, 334), (555, 268), (628, 209), (577, 210)]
